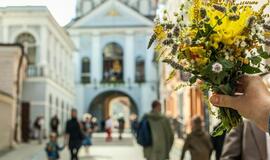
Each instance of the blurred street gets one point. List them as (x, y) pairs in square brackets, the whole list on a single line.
[(115, 150), (127, 149)]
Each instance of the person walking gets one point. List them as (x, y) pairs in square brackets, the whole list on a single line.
[(121, 127), (52, 148), (161, 134), (54, 123), (134, 125), (74, 135), (198, 142), (39, 125), (108, 128), (87, 129)]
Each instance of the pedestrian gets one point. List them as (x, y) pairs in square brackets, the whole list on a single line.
[(218, 142), (121, 127), (246, 142), (38, 125), (102, 125), (54, 123), (134, 125), (177, 127), (108, 128), (52, 148), (74, 135), (198, 142), (94, 124), (161, 134), (87, 129)]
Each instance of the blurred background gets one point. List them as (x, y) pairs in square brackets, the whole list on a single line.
[(91, 55)]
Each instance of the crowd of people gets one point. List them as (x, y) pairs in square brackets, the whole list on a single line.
[(156, 134), (77, 133)]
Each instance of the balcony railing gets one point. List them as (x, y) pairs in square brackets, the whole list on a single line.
[(35, 71), (85, 78)]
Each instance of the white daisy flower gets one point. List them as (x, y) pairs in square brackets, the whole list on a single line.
[(217, 67), (243, 44)]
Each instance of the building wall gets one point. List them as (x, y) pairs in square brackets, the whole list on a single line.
[(132, 33), (7, 109), (10, 92), (53, 71)]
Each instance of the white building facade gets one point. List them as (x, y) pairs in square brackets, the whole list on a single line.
[(113, 61), (49, 87)]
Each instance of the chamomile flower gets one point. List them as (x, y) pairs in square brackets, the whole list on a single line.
[(217, 67)]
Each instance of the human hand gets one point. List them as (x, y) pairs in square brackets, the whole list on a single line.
[(253, 104)]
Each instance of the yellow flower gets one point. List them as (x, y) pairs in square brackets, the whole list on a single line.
[(246, 61), (229, 30), (197, 50), (159, 32), (201, 61)]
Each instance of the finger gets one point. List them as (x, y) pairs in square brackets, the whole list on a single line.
[(224, 101)]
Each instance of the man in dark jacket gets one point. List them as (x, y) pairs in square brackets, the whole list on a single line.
[(54, 123), (74, 135)]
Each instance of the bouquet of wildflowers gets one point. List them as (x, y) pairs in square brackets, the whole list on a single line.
[(217, 43)]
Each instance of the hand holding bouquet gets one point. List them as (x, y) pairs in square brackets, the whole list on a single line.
[(217, 43)]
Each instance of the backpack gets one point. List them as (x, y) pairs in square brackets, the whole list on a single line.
[(144, 135)]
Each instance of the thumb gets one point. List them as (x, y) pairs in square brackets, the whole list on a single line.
[(224, 101)]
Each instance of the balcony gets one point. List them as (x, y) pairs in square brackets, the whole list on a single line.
[(85, 78), (35, 71)]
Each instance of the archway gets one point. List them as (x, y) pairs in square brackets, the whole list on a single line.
[(114, 104)]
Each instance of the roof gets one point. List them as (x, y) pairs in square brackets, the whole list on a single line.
[(73, 21)]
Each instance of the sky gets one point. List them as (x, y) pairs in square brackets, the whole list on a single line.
[(62, 10)]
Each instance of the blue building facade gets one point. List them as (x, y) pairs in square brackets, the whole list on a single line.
[(112, 60)]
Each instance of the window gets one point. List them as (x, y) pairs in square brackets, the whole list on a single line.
[(29, 43), (85, 77), (140, 71), (113, 63)]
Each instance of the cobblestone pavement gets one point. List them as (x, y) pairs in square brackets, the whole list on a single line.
[(127, 149)]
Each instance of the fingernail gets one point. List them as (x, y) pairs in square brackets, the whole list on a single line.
[(215, 99)]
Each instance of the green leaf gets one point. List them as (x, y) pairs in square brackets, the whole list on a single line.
[(255, 60), (172, 75), (192, 79), (226, 64), (152, 40), (263, 54), (250, 70), (220, 130), (226, 89)]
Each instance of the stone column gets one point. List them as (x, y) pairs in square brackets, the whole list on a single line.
[(6, 34), (129, 59), (76, 59), (96, 59), (43, 50)]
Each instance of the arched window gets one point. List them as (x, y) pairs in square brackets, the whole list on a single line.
[(140, 71), (29, 43), (113, 63), (85, 77)]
